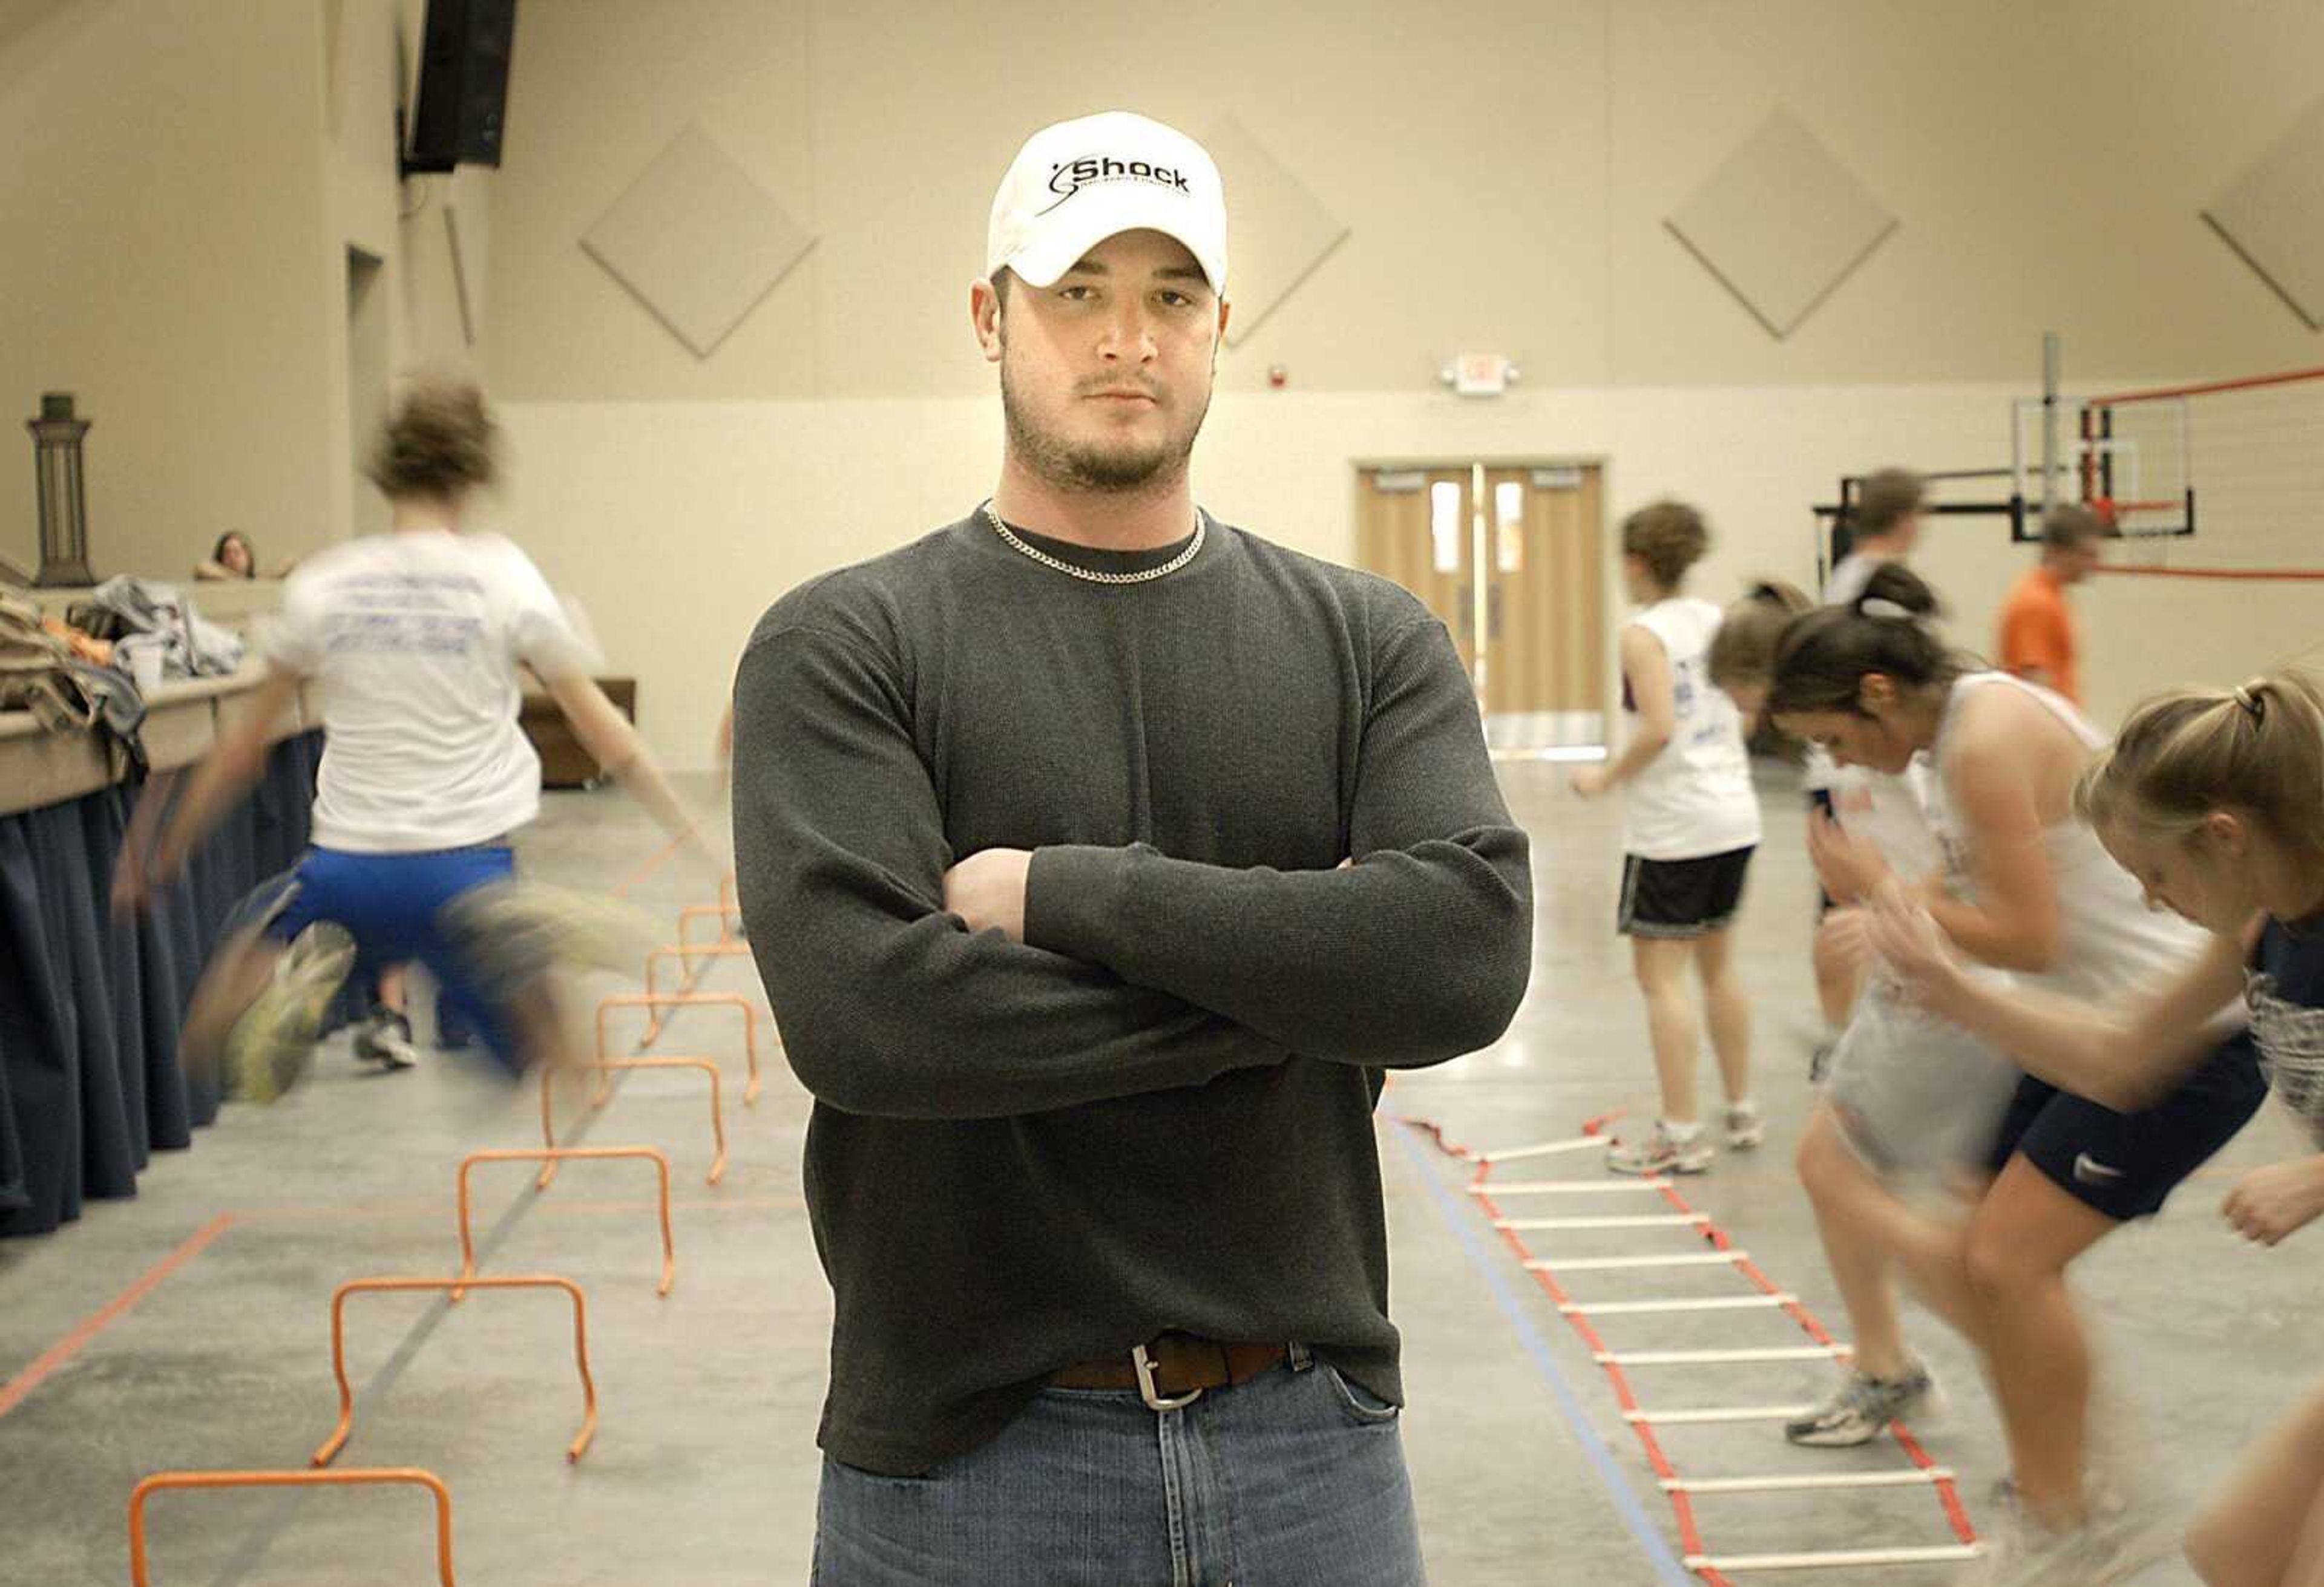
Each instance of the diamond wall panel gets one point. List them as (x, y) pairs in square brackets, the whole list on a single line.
[(1278, 233), (1781, 222), (2274, 216), (696, 240)]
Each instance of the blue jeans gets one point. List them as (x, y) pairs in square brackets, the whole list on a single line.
[(1296, 1479)]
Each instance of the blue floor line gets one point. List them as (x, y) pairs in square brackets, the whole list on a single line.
[(1569, 1406)]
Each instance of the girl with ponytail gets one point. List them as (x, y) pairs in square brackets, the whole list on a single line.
[(2214, 801), (1690, 822), (2025, 888), (1903, 1099)]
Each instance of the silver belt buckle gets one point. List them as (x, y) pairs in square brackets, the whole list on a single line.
[(1154, 1401)]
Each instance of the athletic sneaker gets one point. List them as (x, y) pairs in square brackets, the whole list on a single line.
[(385, 1039), (270, 1044), (1661, 1152), (2119, 1540), (510, 933), (1862, 1409), (1745, 1127)]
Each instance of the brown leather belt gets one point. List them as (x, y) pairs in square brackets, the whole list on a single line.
[(1175, 1369)]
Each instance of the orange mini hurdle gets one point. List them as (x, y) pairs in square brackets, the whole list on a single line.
[(694, 912), (559, 1154), (653, 1000), (158, 1480), (603, 1093), (338, 1438), (689, 978)]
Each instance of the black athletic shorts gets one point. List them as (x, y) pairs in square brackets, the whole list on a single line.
[(2126, 1164), (1681, 898), (1820, 799)]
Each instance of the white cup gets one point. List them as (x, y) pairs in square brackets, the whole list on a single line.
[(145, 667)]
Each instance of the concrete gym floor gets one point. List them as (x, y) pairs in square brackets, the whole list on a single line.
[(704, 1470)]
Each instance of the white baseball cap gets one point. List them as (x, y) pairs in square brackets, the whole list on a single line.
[(1075, 184)]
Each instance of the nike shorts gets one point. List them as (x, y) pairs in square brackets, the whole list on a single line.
[(2125, 1165)]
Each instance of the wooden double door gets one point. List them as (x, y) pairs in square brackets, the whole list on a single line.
[(1513, 559)]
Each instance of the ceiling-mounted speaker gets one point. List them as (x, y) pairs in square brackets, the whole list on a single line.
[(464, 72)]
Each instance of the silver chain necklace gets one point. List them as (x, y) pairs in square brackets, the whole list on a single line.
[(1202, 523)]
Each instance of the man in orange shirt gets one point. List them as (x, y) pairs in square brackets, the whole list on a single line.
[(2038, 642)]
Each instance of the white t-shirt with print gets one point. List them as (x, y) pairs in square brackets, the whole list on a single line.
[(1695, 798), (417, 636)]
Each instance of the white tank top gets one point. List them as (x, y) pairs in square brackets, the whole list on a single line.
[(2108, 939), (1892, 813), (1695, 798)]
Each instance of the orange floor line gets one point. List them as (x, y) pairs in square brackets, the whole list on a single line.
[(13, 1392), (660, 857)]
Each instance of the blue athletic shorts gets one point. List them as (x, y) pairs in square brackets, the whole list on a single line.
[(2125, 1165), (393, 905)]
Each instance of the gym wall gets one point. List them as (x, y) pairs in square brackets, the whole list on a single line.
[(182, 184), (1504, 174)]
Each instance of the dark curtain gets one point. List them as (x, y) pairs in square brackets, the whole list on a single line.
[(90, 1003)]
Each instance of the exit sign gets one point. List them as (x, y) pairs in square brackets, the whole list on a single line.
[(1481, 374)]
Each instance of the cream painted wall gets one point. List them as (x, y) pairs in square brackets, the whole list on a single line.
[(1505, 169), (2048, 161), (181, 269), (1505, 166), (596, 92), (165, 220), (675, 525)]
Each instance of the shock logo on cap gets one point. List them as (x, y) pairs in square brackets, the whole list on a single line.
[(1067, 178)]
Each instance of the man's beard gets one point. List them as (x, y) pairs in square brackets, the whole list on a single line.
[(1120, 469)]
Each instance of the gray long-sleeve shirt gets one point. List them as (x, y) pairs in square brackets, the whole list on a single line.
[(1156, 1111)]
